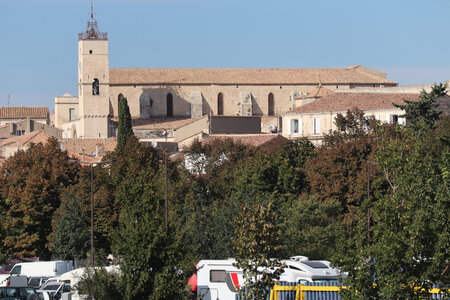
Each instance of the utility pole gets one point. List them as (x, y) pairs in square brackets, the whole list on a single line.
[(368, 197), (9, 98), (166, 202)]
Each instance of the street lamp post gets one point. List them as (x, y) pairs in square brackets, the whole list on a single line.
[(368, 197), (166, 201), (91, 165)]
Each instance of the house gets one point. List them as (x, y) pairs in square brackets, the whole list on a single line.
[(26, 126), (15, 114), (88, 151), (10, 146), (314, 119)]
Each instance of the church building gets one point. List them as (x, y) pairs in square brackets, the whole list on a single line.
[(186, 94)]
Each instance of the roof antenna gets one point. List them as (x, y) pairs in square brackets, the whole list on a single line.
[(92, 9)]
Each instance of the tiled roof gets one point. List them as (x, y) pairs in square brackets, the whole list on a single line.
[(319, 92), (276, 76), (345, 101), (24, 112), (34, 137), (264, 141), (76, 146)]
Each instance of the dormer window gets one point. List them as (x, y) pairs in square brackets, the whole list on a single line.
[(95, 87)]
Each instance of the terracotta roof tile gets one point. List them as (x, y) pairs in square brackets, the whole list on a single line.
[(346, 101), (317, 92), (265, 141), (75, 146), (230, 76), (34, 137), (23, 112)]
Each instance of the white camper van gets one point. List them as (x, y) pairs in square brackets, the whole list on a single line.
[(42, 268), (219, 279)]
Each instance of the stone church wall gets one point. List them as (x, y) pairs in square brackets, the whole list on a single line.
[(150, 101)]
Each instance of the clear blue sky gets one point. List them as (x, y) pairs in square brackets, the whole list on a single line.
[(408, 39)]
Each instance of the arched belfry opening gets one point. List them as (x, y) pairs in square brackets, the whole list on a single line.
[(271, 105), (220, 104), (169, 104), (95, 87)]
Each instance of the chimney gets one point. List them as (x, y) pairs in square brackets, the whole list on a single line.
[(99, 150)]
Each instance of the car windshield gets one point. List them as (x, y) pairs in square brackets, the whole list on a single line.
[(52, 287)]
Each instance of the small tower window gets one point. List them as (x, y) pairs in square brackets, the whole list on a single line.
[(271, 105), (220, 104), (90, 51), (95, 87), (169, 104)]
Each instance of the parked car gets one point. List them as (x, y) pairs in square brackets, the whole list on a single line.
[(18, 293), (37, 282), (54, 289)]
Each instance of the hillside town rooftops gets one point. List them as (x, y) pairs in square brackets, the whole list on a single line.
[(34, 137), (231, 76), (89, 150), (24, 112), (345, 101), (265, 141)]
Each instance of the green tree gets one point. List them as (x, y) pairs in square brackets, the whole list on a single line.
[(407, 245), (99, 284), (149, 254), (70, 239), (31, 191), (423, 114), (125, 129), (312, 228), (256, 243)]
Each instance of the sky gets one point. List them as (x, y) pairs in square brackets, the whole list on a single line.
[(410, 40)]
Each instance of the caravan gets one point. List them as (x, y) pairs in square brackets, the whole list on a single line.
[(219, 279)]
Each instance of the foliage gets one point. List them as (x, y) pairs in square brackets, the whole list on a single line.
[(256, 242), (408, 243), (148, 252), (99, 284), (312, 228), (423, 114), (70, 239), (31, 190), (353, 126), (338, 172), (125, 129)]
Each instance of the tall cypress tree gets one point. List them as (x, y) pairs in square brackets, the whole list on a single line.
[(125, 128)]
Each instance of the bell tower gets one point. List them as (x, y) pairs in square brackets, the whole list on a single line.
[(93, 81)]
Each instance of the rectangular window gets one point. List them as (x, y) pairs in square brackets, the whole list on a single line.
[(394, 119), (71, 114), (294, 126), (217, 276), (316, 126)]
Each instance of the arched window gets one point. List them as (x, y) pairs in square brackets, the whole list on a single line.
[(169, 105), (95, 87), (220, 104), (271, 105)]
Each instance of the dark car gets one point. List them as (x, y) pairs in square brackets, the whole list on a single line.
[(18, 293)]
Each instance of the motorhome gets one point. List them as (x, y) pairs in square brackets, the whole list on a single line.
[(219, 279), (42, 268)]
